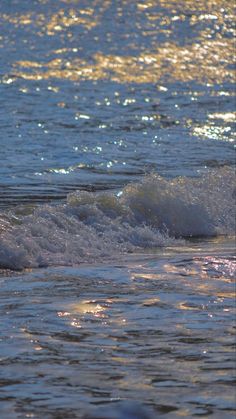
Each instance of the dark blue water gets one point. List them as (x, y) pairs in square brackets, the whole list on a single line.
[(96, 94), (117, 216)]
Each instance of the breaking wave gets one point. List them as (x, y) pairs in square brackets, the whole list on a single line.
[(92, 226)]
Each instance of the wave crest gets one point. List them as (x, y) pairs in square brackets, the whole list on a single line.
[(91, 226)]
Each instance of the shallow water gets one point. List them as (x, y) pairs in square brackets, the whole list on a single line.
[(151, 328), (117, 215)]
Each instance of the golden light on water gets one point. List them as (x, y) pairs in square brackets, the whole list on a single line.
[(60, 22), (206, 59), (88, 307), (77, 312), (208, 275), (107, 325), (202, 62), (227, 116)]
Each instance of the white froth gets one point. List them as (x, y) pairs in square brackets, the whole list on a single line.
[(91, 227)]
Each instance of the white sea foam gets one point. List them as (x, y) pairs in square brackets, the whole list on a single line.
[(91, 226)]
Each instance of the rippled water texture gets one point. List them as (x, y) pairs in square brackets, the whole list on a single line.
[(117, 219), (96, 93), (157, 331)]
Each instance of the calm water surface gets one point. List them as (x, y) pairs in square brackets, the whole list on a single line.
[(117, 195)]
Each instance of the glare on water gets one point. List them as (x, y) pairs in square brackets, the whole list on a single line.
[(117, 126)]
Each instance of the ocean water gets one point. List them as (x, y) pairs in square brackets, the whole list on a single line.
[(117, 209)]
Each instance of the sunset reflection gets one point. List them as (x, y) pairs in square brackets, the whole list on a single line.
[(117, 221), (205, 60), (194, 62)]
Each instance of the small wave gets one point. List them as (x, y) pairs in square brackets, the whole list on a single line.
[(92, 226)]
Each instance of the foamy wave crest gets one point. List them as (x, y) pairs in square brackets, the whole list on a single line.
[(91, 226)]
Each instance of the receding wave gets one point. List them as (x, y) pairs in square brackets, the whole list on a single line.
[(90, 227)]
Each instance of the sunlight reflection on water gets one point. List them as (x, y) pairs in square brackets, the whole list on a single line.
[(96, 94)]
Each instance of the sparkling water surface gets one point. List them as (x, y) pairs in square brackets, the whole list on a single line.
[(95, 94), (139, 319), (155, 330)]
